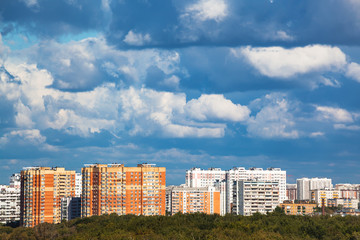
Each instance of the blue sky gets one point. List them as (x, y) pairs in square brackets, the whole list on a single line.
[(206, 83)]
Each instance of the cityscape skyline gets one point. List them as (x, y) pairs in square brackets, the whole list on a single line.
[(205, 83)]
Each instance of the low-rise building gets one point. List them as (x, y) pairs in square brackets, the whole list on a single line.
[(348, 212), (344, 203), (298, 207)]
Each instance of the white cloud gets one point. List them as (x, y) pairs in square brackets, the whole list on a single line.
[(330, 82), (137, 111), (284, 63), (172, 82), (282, 35), (274, 120), (214, 106), (353, 71), (334, 114), (208, 10), (137, 39), (85, 64), (23, 116), (317, 134), (31, 3), (341, 126)]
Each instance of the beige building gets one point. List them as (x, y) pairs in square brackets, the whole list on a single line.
[(114, 188), (344, 203), (186, 199), (326, 194), (41, 191), (298, 208)]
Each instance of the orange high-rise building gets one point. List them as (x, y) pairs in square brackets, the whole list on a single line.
[(115, 188), (193, 199), (41, 191)]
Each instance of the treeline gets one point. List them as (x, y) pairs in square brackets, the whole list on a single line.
[(275, 225)]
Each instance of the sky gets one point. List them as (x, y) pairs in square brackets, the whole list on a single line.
[(182, 84)]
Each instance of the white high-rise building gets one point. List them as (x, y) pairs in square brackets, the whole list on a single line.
[(15, 180), (78, 184), (240, 173), (251, 196), (306, 185), (9, 204), (197, 177)]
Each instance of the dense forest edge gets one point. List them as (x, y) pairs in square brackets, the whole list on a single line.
[(275, 225)]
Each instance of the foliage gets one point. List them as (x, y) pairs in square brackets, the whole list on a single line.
[(274, 225)]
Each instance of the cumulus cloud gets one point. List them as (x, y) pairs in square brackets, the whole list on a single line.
[(216, 106), (26, 137), (274, 120), (83, 65), (208, 10), (109, 108), (285, 63), (334, 114), (137, 39), (353, 71)]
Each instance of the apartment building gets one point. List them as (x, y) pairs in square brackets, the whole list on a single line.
[(196, 177), (251, 196), (298, 208), (78, 185), (114, 188), (348, 190), (41, 191), (291, 191), (344, 203), (9, 204), (326, 194), (186, 199), (70, 208), (268, 175), (306, 185), (15, 180)]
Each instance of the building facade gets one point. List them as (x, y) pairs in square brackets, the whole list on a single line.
[(306, 185), (70, 208), (78, 185), (15, 180), (251, 196), (291, 192), (298, 208), (268, 175), (196, 177), (348, 190), (115, 188), (344, 202), (41, 191), (9, 204), (186, 199), (324, 194)]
